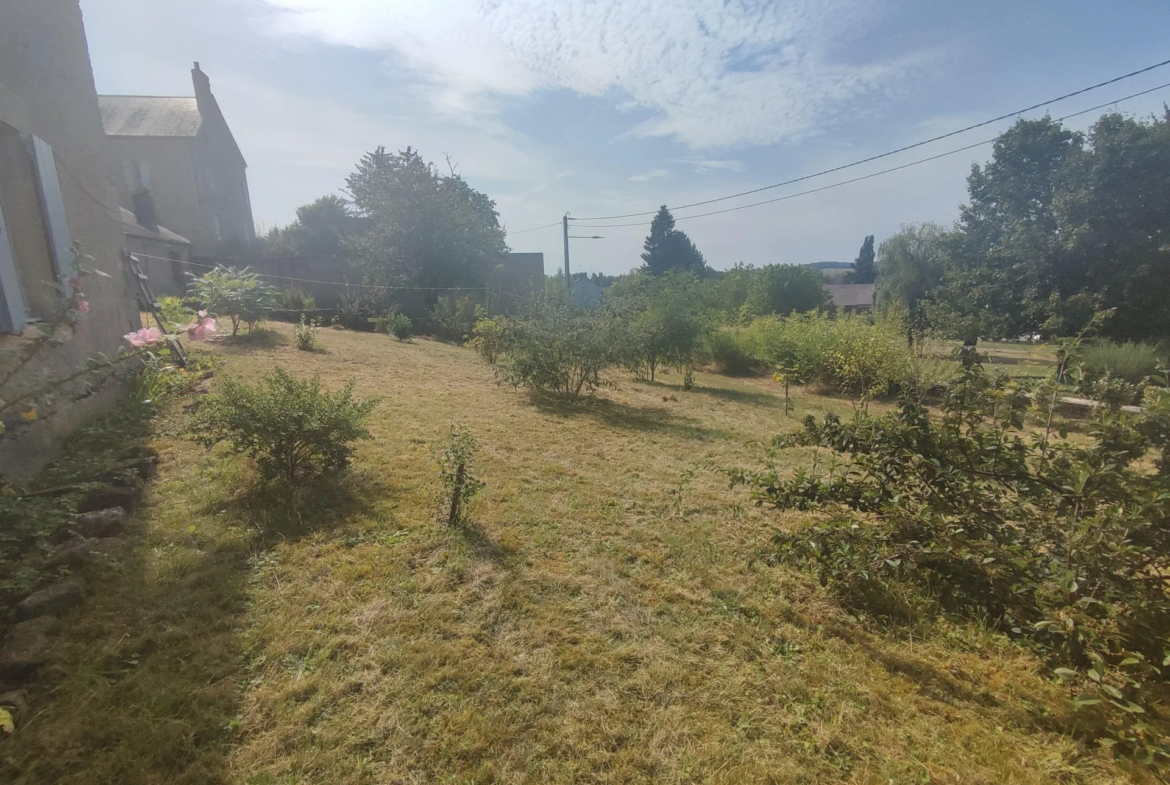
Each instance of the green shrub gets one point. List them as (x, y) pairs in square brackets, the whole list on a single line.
[(306, 333), (454, 318), (489, 338), (731, 352), (1060, 545), (175, 314), (662, 334), (399, 326), (848, 353), (293, 299), (558, 350), (358, 308), (785, 289), (1133, 362), (457, 471), (291, 427), (233, 294)]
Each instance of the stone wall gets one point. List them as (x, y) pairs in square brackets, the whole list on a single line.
[(48, 91)]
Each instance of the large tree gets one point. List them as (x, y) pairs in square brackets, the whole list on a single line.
[(786, 289), (1058, 223), (667, 248), (426, 229), (1004, 258), (909, 267), (1113, 210), (863, 270), (320, 229)]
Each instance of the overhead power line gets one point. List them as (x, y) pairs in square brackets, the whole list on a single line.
[(867, 176), (533, 229), (1006, 116)]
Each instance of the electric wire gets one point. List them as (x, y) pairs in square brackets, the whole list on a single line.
[(867, 176), (892, 152)]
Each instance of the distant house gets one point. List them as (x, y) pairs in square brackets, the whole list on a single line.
[(586, 292), (852, 297), (179, 153)]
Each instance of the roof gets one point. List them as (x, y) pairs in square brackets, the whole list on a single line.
[(131, 226), (148, 115), (851, 295)]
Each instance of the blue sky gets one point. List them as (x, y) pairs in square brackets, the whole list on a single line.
[(603, 107)]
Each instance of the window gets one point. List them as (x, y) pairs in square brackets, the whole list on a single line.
[(13, 311), (137, 176)]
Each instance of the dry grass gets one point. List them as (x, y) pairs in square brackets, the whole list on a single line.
[(604, 619)]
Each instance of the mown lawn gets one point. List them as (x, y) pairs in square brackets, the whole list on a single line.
[(607, 618)]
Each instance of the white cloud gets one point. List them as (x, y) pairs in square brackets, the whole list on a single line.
[(653, 174), (706, 165), (715, 73)]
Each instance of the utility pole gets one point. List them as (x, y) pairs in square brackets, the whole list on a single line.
[(568, 278)]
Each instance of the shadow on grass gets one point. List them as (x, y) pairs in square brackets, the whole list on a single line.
[(279, 513), (482, 544), (258, 338), (741, 396), (649, 419)]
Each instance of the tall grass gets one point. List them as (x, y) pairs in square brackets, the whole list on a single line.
[(1130, 361), (732, 351), (849, 353)]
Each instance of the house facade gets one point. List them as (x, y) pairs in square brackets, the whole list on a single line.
[(179, 153), (852, 297), (56, 188)]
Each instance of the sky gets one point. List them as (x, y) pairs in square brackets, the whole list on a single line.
[(610, 107)]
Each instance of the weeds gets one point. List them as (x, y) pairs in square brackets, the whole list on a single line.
[(305, 332), (457, 471)]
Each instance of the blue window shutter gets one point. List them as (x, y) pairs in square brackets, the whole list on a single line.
[(13, 312), (53, 209)]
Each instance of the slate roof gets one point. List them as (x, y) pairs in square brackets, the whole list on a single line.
[(148, 115), (851, 295), (131, 226)]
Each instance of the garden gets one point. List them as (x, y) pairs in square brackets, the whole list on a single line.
[(634, 544)]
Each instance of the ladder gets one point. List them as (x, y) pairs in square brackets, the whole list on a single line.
[(177, 351)]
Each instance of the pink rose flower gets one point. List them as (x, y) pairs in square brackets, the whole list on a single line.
[(203, 329), (147, 336), (83, 306)]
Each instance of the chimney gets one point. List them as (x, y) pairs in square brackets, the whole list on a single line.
[(202, 84), (144, 211)]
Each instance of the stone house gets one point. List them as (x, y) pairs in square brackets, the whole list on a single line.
[(56, 188), (178, 154), (852, 297)]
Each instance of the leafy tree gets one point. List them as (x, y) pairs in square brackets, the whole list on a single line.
[(729, 289), (909, 266), (660, 324), (786, 289), (1004, 258), (1061, 223), (558, 350), (863, 267), (426, 229), (1111, 209), (667, 248), (238, 295)]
